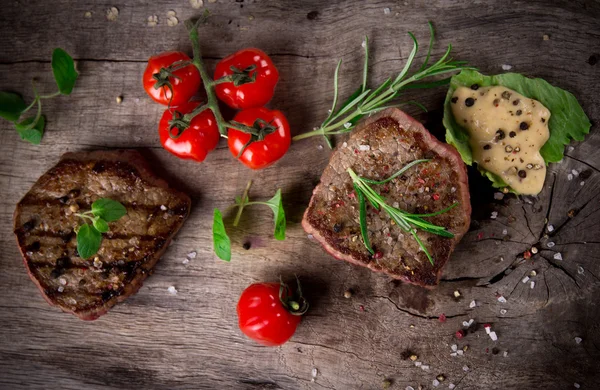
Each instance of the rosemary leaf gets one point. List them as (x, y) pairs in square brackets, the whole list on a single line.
[(363, 219)]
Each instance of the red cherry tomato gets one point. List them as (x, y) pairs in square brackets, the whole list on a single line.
[(241, 93), (263, 317), (183, 86), (195, 141), (260, 153)]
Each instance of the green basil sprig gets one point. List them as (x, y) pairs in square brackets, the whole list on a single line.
[(13, 107), (89, 237)]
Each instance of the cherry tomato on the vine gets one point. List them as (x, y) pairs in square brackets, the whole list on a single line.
[(254, 78), (190, 141), (169, 84), (265, 149), (269, 314)]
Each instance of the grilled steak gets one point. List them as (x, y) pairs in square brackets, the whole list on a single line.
[(44, 224), (378, 148)]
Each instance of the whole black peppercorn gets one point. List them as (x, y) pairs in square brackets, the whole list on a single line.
[(543, 120), (516, 102), (519, 112), (63, 199), (522, 174), (506, 95), (475, 87), (337, 227), (500, 135), (246, 245), (512, 134), (524, 126), (487, 147), (454, 99), (469, 102)]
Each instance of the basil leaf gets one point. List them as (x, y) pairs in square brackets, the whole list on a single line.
[(31, 134), (101, 225), (278, 215), (64, 71), (567, 122), (11, 106), (108, 209), (221, 241), (88, 241)]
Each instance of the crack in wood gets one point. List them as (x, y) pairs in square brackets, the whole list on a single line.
[(584, 163), (549, 207), (427, 317), (560, 267), (527, 220)]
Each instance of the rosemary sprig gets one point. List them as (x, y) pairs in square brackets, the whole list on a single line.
[(406, 221), (366, 101)]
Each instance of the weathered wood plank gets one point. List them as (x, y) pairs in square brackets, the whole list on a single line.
[(191, 340)]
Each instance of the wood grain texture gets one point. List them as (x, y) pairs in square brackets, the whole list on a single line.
[(190, 340)]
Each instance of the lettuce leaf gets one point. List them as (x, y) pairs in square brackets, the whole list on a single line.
[(567, 120)]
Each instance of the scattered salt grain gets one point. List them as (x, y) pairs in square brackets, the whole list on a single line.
[(456, 293), (185, 261), (435, 383), (578, 340), (347, 125), (575, 172), (550, 228), (192, 254), (88, 14), (550, 244), (493, 336), (465, 368), (409, 388), (580, 270), (460, 352), (506, 67), (498, 196), (62, 281), (163, 207), (418, 364), (396, 204), (425, 367), (504, 232), (532, 284), (453, 189), (453, 354), (386, 11), (310, 236), (472, 304), (451, 386), (345, 144), (468, 323), (582, 183), (525, 279), (454, 347), (494, 215), (501, 299), (570, 148), (314, 372), (112, 14), (505, 353), (60, 289), (503, 311), (364, 44), (152, 20), (569, 177), (576, 385), (320, 147), (364, 148), (196, 4), (557, 256), (172, 290)]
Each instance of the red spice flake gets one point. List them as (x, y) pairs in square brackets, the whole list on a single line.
[(460, 334), (338, 204), (487, 325), (376, 211), (436, 196), (424, 171), (442, 317), (378, 255), (527, 254), (362, 308), (355, 151), (386, 188), (480, 235), (420, 180), (487, 350), (352, 195), (386, 167)]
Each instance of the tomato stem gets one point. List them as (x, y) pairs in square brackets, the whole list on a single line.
[(243, 202)]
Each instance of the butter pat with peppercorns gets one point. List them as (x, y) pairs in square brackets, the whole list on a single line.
[(506, 132)]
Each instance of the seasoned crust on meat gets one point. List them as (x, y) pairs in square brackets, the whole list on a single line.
[(378, 148), (44, 224)]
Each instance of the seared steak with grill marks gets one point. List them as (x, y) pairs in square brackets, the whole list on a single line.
[(44, 224), (378, 148)]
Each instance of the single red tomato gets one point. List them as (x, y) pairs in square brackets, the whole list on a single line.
[(168, 83), (269, 314), (254, 78), (271, 142), (190, 141)]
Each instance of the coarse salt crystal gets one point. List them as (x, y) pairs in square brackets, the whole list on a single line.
[(185, 261), (424, 367), (505, 353), (460, 352), (345, 144), (532, 284), (501, 299), (493, 336), (504, 232), (172, 290), (575, 172), (569, 177), (503, 311), (494, 215), (435, 383), (557, 256), (163, 207), (453, 189), (465, 368), (453, 354), (314, 372), (310, 236), (576, 385), (192, 254), (582, 183), (320, 147), (60, 289), (550, 228), (570, 148), (363, 44), (347, 125), (364, 148), (196, 4), (498, 195), (550, 244), (418, 364), (580, 270), (454, 347), (62, 281), (112, 14), (506, 67), (578, 340), (396, 204), (387, 11), (525, 279), (409, 388), (451, 386), (472, 304)]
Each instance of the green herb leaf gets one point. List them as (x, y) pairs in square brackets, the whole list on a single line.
[(276, 205), (101, 225), (88, 241), (567, 121), (64, 71), (364, 232), (31, 134), (11, 106), (221, 241), (108, 209)]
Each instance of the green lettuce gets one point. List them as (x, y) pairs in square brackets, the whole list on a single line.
[(567, 120)]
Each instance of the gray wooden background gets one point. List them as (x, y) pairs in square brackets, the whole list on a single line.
[(191, 340)]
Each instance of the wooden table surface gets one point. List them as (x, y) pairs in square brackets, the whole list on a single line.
[(156, 340)]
